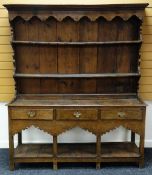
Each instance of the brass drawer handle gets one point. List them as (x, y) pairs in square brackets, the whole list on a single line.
[(31, 114), (122, 114), (77, 114)]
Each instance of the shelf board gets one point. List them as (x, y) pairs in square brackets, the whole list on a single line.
[(77, 42), (101, 75), (78, 150), (119, 149), (33, 150)]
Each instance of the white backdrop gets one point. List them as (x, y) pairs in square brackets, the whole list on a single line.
[(34, 135)]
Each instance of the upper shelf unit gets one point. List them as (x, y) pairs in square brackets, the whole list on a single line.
[(76, 49)]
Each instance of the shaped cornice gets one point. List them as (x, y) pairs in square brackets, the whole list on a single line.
[(76, 12)]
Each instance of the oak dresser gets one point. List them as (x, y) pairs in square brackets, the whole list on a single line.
[(76, 66)]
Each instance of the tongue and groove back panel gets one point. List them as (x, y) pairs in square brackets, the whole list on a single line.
[(44, 54)]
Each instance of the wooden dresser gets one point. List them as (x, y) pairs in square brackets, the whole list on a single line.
[(77, 66)]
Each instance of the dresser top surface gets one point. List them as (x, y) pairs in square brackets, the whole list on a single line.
[(79, 101)]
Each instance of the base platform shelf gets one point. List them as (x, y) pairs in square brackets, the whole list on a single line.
[(77, 150)]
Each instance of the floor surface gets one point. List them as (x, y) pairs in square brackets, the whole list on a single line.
[(76, 169)]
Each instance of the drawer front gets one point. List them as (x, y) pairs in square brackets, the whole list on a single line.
[(32, 114), (76, 114), (121, 113)]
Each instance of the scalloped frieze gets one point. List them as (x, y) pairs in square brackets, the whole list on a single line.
[(85, 129), (60, 16), (53, 130), (108, 128), (137, 130), (19, 129), (59, 127)]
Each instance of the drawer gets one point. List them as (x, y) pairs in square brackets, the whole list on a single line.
[(121, 113), (76, 114), (32, 114)]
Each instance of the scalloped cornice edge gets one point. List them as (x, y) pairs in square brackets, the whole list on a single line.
[(75, 17)]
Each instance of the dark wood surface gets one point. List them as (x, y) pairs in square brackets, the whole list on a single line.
[(76, 66)]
